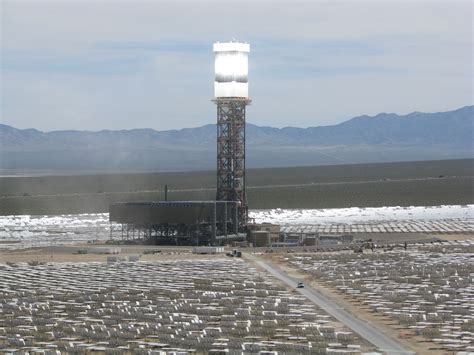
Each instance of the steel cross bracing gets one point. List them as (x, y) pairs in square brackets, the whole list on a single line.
[(231, 153)]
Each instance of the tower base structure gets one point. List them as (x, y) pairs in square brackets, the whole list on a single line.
[(176, 222), (231, 153)]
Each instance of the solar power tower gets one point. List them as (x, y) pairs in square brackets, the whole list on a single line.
[(231, 98)]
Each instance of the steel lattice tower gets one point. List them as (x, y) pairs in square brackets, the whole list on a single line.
[(231, 152), (231, 98)]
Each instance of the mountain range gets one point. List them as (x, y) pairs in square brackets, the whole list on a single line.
[(382, 138)]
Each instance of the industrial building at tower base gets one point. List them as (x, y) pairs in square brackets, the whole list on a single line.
[(179, 222)]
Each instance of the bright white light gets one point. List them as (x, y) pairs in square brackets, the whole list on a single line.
[(231, 89), (231, 66), (231, 69)]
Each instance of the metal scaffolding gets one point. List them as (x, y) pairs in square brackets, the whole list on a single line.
[(177, 222), (231, 153)]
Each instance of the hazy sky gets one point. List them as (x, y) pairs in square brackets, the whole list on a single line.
[(134, 64)]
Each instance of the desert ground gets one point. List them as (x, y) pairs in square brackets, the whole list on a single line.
[(429, 183), (422, 295), (59, 291), (55, 299)]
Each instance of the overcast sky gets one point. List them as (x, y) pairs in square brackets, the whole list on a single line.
[(149, 64)]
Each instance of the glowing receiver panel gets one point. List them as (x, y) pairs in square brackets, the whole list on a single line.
[(231, 69)]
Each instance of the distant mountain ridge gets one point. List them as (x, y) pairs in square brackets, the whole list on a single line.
[(384, 137)]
